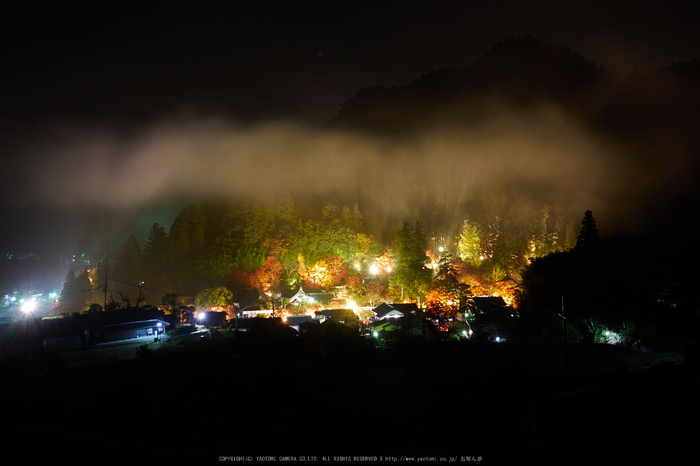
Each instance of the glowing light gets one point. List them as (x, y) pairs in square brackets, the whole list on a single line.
[(498, 339), (28, 306), (374, 269)]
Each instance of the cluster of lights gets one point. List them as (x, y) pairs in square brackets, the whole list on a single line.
[(374, 269)]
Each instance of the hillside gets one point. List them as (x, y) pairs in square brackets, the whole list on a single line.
[(515, 74)]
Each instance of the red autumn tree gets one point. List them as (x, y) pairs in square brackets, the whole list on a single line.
[(268, 275)]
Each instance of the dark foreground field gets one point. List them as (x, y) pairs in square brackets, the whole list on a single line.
[(288, 397)]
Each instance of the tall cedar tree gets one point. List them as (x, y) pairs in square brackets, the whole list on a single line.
[(411, 273), (588, 238)]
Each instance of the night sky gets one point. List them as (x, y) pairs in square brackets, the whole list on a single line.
[(114, 116)]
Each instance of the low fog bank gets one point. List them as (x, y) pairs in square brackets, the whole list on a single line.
[(71, 180)]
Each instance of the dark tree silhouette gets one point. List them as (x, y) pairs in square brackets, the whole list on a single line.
[(589, 233)]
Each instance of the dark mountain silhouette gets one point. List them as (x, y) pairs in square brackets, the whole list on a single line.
[(520, 72)]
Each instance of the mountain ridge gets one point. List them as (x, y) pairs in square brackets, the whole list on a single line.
[(520, 73)]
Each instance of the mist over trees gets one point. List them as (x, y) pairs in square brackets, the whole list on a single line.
[(492, 164)]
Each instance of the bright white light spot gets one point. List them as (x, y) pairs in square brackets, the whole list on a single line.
[(374, 269), (498, 339), (28, 306), (375, 334)]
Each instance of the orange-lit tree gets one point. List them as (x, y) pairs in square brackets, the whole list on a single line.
[(447, 295), (441, 304), (268, 276)]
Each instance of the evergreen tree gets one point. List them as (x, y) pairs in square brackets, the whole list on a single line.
[(128, 273), (411, 275), (155, 256), (186, 242), (76, 292), (588, 238), (469, 245), (187, 233)]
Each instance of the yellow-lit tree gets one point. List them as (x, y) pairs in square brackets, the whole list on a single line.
[(469, 246), (328, 272)]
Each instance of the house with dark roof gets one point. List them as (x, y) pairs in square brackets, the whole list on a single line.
[(59, 334), (385, 310), (402, 319), (128, 324), (212, 319), (255, 300), (485, 304), (322, 298), (296, 322), (343, 316)]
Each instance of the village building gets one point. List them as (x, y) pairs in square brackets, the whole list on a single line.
[(128, 324)]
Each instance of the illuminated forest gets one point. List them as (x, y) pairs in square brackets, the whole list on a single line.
[(477, 173), (274, 248), (205, 157)]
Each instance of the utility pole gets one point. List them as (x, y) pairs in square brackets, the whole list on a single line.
[(566, 355)]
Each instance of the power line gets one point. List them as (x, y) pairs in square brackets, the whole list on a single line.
[(137, 286)]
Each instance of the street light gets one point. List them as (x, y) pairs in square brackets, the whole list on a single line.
[(28, 306)]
